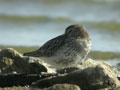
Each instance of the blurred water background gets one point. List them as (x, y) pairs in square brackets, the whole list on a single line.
[(33, 22)]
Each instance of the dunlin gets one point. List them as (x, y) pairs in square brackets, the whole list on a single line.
[(66, 50)]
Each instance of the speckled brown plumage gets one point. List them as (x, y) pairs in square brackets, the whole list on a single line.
[(67, 49)]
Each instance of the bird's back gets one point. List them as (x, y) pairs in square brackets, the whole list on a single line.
[(49, 48)]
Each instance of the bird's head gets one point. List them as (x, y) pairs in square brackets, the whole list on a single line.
[(77, 31)]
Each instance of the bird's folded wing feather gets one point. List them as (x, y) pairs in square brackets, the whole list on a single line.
[(49, 48)]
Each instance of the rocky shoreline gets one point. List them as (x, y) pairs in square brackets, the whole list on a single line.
[(18, 72)]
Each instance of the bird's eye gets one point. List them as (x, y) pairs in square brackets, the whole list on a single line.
[(70, 31)]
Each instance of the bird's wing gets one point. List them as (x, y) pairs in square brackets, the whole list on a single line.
[(49, 48)]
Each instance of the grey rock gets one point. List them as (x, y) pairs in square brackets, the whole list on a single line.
[(17, 88), (12, 61), (94, 77), (67, 70), (86, 64), (54, 87), (63, 87)]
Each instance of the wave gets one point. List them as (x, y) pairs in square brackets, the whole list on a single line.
[(32, 18), (104, 55), (105, 25), (57, 18), (106, 0), (111, 25)]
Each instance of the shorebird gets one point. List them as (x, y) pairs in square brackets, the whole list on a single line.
[(66, 50)]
